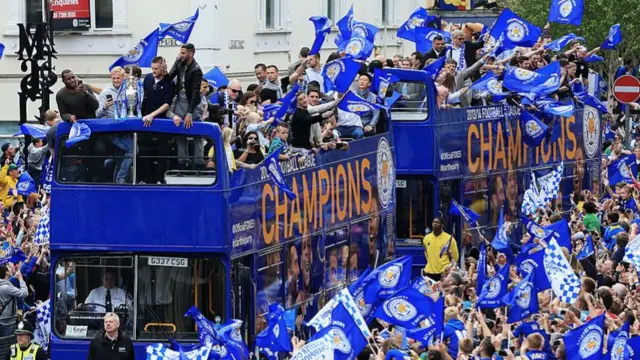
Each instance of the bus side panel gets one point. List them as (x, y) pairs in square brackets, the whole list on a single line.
[(160, 221)]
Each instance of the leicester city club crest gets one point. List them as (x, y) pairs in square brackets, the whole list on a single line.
[(494, 288), (334, 69), (390, 277), (135, 54), (494, 86), (591, 131), (400, 309), (516, 31), (364, 308), (182, 26), (385, 173), (523, 299), (355, 46), (220, 350), (360, 29), (590, 341), (340, 341), (415, 22), (359, 108), (617, 351), (523, 74), (533, 129), (566, 8)]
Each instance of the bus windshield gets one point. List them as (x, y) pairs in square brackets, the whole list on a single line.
[(107, 158), (142, 289)]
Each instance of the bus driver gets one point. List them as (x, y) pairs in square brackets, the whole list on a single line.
[(106, 298)]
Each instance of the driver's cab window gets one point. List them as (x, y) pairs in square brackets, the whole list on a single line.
[(411, 104), (89, 287)]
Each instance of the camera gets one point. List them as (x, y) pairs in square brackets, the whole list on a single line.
[(252, 143)]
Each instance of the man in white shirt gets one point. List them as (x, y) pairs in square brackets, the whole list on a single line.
[(108, 296), (310, 70)]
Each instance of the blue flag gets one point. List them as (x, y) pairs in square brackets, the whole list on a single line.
[(530, 259), (613, 38), (366, 30), (633, 347), (593, 58), (608, 133), (345, 28), (275, 337), (482, 268), (142, 54), (79, 132), (322, 26), (288, 105), (11, 254), (587, 248), (434, 325), (47, 174), (418, 19), (563, 41), (181, 30), (26, 186), (534, 229), (561, 231), (406, 308), (1, 50), (587, 340), (388, 102), (566, 12), (275, 173), (339, 74), (216, 78), (387, 279), (382, 82), (617, 343), (206, 329), (622, 169), (511, 31), (590, 100), (434, 68), (357, 291), (36, 131), (270, 110), (231, 335), (522, 300), (348, 340), (488, 82), (357, 47), (424, 38), (467, 214), (552, 107), (425, 286), (542, 82), (494, 290), (353, 103), (533, 130)]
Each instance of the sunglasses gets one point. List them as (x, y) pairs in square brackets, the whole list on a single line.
[(460, 39), (235, 91)]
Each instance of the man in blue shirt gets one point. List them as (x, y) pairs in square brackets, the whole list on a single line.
[(612, 230)]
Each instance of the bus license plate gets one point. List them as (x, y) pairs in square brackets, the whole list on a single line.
[(168, 261)]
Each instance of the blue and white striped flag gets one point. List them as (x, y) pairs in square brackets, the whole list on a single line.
[(319, 349), (632, 252), (564, 282), (161, 352), (550, 183), (42, 234), (42, 333)]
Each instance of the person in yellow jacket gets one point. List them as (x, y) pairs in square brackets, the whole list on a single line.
[(8, 179), (25, 348), (440, 249)]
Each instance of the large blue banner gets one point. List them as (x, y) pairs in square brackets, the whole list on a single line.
[(484, 140)]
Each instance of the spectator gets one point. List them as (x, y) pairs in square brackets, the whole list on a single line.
[(396, 60), (252, 154), (304, 53), (35, 160), (437, 49), (273, 81), (309, 70), (227, 136), (370, 119), (261, 73), (228, 100), (463, 51), (9, 297), (306, 115), (112, 98), (111, 344), (8, 179), (8, 152), (158, 92), (75, 100), (52, 119)]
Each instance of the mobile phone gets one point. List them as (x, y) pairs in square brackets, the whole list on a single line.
[(109, 97)]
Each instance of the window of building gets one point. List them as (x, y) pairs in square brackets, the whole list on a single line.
[(100, 13), (89, 286), (107, 158), (330, 10), (272, 14), (385, 12)]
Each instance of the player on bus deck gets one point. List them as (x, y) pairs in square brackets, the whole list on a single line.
[(108, 297)]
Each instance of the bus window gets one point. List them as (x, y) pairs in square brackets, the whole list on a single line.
[(107, 158), (412, 104), (270, 286), (413, 212), (102, 284)]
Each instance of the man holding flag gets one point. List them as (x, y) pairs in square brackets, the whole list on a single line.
[(440, 250)]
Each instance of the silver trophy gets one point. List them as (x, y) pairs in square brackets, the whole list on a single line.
[(132, 96)]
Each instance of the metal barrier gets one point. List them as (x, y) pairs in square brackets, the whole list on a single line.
[(5, 346)]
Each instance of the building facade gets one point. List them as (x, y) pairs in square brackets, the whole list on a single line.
[(231, 34)]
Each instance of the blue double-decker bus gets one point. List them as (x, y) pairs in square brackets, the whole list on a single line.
[(477, 157), (230, 243)]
